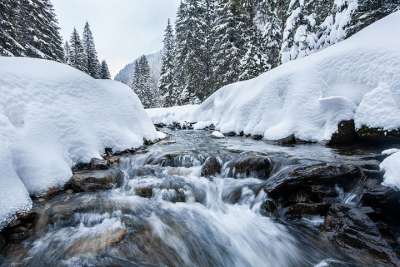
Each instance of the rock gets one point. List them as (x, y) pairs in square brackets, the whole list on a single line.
[(3, 242), (90, 181), (378, 135), (250, 164), (230, 134), (301, 209), (354, 231), (21, 228), (174, 159), (211, 167), (345, 135), (385, 201), (312, 183), (98, 164), (290, 140)]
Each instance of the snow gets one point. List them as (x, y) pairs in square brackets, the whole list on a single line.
[(217, 134), (357, 78), (180, 114), (391, 151), (52, 117), (392, 171)]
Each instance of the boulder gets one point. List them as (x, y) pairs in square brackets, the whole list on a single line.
[(314, 183), (98, 164), (250, 164), (345, 135), (353, 230), (91, 181), (211, 167), (174, 159)]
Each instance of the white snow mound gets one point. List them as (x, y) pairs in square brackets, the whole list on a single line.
[(180, 114), (358, 78), (52, 117), (392, 171)]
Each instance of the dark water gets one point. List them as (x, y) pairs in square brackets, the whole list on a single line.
[(170, 216)]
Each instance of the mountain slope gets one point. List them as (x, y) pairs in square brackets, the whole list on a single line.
[(126, 74)]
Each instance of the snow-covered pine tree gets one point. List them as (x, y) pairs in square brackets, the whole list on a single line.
[(78, 56), (104, 71), (269, 20), (93, 66), (228, 48), (67, 53), (9, 45), (144, 85), (299, 35), (190, 50), (255, 60), (166, 84), (38, 30)]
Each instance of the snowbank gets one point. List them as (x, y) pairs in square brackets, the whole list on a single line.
[(358, 79), (392, 171), (170, 115), (53, 116)]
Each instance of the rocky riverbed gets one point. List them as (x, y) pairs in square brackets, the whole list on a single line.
[(194, 200)]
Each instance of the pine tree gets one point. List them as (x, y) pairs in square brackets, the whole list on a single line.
[(104, 71), (78, 56), (93, 65), (38, 30), (9, 45), (270, 17), (228, 48), (143, 84), (191, 67), (299, 36), (67, 53), (167, 83)]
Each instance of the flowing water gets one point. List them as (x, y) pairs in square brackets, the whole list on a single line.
[(171, 216)]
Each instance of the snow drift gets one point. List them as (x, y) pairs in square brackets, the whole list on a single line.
[(52, 117), (391, 168), (358, 79)]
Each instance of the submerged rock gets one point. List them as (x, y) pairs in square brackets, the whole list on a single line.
[(354, 231), (211, 167), (90, 181), (174, 159)]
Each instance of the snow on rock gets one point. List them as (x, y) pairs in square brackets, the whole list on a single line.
[(358, 78), (217, 134), (179, 114), (391, 151), (52, 117), (392, 171)]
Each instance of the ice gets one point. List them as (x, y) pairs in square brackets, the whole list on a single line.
[(52, 117)]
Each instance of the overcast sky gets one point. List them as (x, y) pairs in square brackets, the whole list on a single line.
[(123, 29)]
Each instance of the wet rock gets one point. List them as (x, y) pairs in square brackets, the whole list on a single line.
[(301, 209), (385, 201), (313, 183), (354, 231), (3, 243), (290, 140), (90, 181), (98, 164), (174, 159), (378, 135), (20, 229), (95, 243), (211, 167), (345, 135), (230, 134), (250, 164)]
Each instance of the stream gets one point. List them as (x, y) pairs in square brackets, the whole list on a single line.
[(166, 213)]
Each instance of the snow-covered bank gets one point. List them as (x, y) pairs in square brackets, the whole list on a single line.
[(52, 117), (391, 167), (358, 79), (179, 114)]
